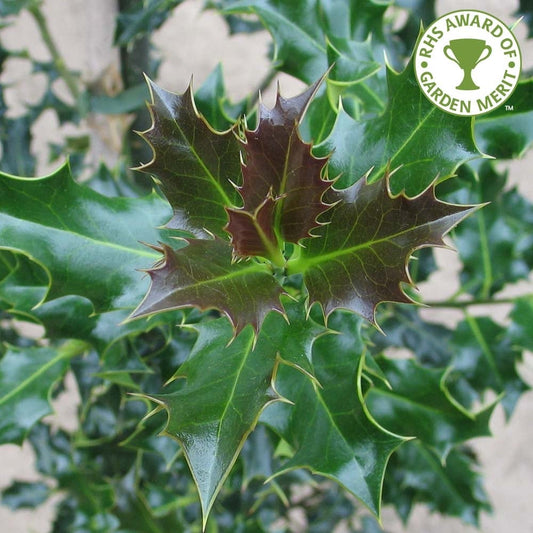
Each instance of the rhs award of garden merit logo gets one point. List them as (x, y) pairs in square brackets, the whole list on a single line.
[(468, 62)]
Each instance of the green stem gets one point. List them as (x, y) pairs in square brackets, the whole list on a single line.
[(485, 252), (59, 63), (477, 301), (73, 347), (485, 349)]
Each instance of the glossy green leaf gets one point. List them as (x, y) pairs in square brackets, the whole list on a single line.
[(145, 17), (234, 384), (361, 256), (24, 283), (507, 132), (300, 29), (403, 327), (496, 244), (229, 381), (412, 134), (212, 102), (195, 166), (204, 275), (87, 244), (26, 378), (356, 78), (417, 475), (418, 404), (486, 358), (357, 450)]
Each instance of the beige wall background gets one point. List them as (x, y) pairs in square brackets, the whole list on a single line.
[(193, 42)]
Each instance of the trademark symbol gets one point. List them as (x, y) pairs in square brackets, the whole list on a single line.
[(509, 108)]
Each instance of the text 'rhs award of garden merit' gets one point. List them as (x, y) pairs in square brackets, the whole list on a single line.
[(468, 62)]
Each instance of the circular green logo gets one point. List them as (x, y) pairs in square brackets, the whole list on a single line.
[(468, 62)]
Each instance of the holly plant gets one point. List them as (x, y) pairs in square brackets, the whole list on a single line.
[(231, 332)]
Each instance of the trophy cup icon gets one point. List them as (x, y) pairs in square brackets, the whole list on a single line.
[(467, 53)]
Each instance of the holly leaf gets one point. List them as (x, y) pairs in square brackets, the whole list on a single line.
[(357, 450), (507, 131), (356, 78), (25, 494), (233, 378), (486, 358), (87, 244), (195, 166), (361, 256), (412, 135), (404, 328), (300, 29), (416, 474), (26, 379), (144, 18), (418, 404), (204, 275), (282, 186), (501, 234), (212, 102), (522, 317)]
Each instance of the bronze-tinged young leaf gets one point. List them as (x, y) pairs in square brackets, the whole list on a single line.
[(253, 233), (361, 257), (195, 165), (204, 275), (279, 165)]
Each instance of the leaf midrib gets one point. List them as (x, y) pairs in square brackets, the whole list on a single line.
[(33, 377), (97, 242), (306, 263)]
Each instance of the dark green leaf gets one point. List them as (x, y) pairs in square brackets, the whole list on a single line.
[(412, 134), (361, 256), (404, 328), (357, 450), (26, 378), (454, 488), (526, 9), (13, 7), (15, 139), (25, 494), (521, 331), (507, 132), (227, 387), (127, 101), (486, 358), (87, 244), (146, 17), (301, 28), (213, 104), (496, 244), (418, 404), (195, 166)]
